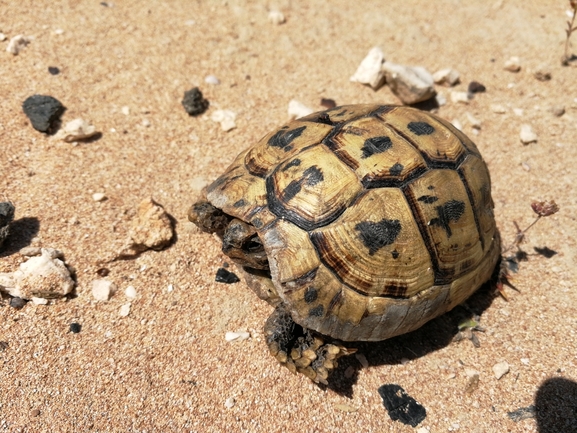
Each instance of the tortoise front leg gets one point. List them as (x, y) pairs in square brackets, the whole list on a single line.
[(299, 349)]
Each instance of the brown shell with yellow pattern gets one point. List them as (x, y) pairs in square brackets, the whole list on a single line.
[(375, 219)]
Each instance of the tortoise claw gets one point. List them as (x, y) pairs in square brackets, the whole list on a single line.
[(299, 349)]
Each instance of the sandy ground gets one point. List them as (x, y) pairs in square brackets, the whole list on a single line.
[(166, 366)]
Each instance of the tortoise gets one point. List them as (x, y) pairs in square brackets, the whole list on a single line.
[(358, 223)]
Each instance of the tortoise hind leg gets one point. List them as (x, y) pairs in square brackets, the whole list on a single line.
[(299, 349)]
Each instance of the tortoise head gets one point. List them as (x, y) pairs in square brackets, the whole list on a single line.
[(240, 240)]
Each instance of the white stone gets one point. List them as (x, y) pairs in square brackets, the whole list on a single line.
[(98, 196), (43, 276), (17, 43), (518, 111), (513, 64), (236, 336), (75, 130), (124, 310), (297, 109), (525, 361), (411, 84), (102, 290), (58, 32), (446, 77), (500, 369), (370, 70), (2, 37), (130, 292), (211, 79), (229, 402), (39, 301), (441, 99), (276, 17), (498, 108), (473, 121), (125, 110), (457, 124), (527, 135), (462, 97), (145, 122), (226, 119)]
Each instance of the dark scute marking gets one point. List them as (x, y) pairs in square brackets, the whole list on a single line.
[(283, 138), (239, 203), (291, 190), (375, 145), (337, 299), (323, 117), (257, 223), (294, 163), (396, 169), (421, 128), (430, 187), (377, 235), (317, 311), (448, 212), (428, 199), (311, 295), (396, 290), (395, 254), (313, 175)]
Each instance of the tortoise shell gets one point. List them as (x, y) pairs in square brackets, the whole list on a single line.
[(375, 219)]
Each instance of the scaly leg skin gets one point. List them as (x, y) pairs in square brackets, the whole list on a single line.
[(299, 349)]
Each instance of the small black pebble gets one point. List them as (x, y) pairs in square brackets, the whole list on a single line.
[(328, 103), (227, 277), (103, 272), (43, 111), (193, 102), (75, 327), (6, 217), (17, 303), (3, 346), (476, 87), (53, 70), (401, 406)]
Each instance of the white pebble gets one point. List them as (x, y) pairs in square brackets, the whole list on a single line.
[(500, 369), (462, 97), (457, 124), (471, 372), (124, 310), (423, 430), (525, 361), (102, 290), (98, 196), (226, 119), (446, 77), (58, 32), (370, 70), (441, 99), (513, 64), (17, 43), (170, 288), (2, 37), (411, 84), (518, 111), (527, 134), (125, 110), (297, 109), (229, 402), (77, 129), (498, 108), (473, 121), (211, 79), (236, 336), (145, 123), (276, 17), (39, 301), (130, 292)]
